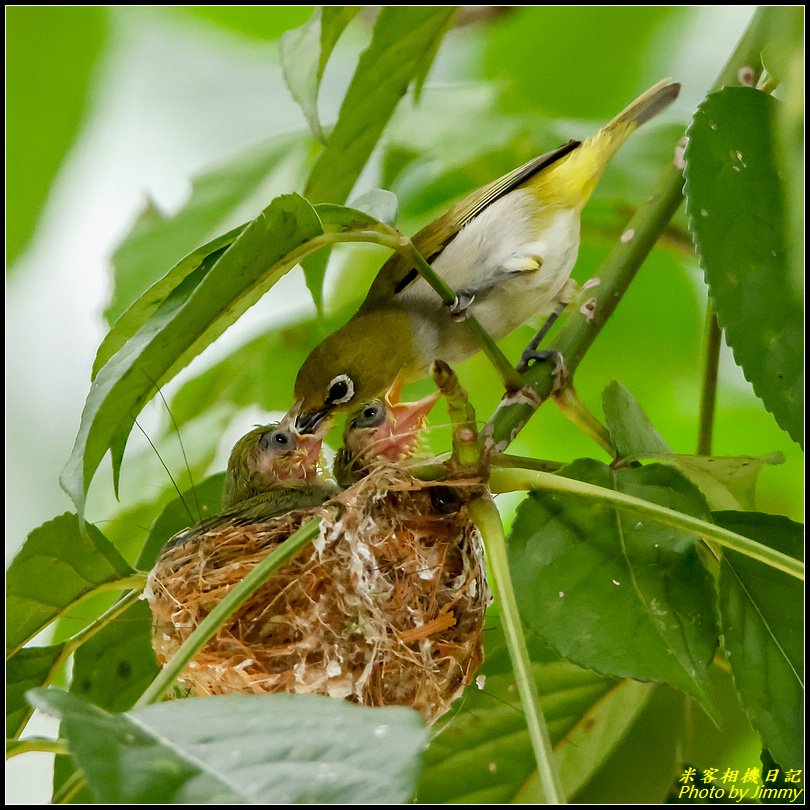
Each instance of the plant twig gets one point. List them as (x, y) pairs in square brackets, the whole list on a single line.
[(502, 480), (467, 458), (135, 581), (524, 462), (214, 620), (580, 330), (708, 394), (484, 514), (511, 378), (466, 449), (42, 744), (574, 409)]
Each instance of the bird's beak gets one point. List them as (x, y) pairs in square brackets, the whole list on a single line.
[(404, 421), (302, 462), (308, 450), (305, 422)]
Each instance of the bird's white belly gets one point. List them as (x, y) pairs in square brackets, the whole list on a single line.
[(498, 245)]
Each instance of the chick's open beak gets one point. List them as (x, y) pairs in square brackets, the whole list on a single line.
[(396, 438), (302, 461)]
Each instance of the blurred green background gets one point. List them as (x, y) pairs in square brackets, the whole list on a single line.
[(110, 110)]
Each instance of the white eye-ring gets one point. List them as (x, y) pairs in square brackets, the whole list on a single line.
[(341, 390)]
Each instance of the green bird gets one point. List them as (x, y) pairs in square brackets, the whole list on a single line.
[(507, 249), (272, 470), (381, 429)]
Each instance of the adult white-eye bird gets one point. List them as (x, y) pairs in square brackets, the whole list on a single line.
[(381, 429), (508, 249)]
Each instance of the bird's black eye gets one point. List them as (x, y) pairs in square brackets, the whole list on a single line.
[(276, 440), (370, 416), (341, 390)]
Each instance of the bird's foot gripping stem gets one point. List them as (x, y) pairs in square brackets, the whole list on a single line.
[(460, 307), (559, 371)]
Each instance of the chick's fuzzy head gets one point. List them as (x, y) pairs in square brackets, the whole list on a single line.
[(382, 429), (270, 455), (353, 365)]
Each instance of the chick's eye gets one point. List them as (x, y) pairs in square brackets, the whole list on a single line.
[(370, 416), (276, 440), (341, 390)]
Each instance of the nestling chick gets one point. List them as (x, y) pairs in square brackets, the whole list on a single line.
[(381, 429), (272, 470), (271, 456)]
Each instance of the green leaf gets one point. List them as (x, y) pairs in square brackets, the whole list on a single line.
[(157, 241), (304, 53), (142, 309), (641, 767), (51, 55), (736, 216), (630, 429), (56, 566), (195, 313), (610, 592), (113, 667), (29, 667), (403, 37), (278, 749), (727, 482), (203, 500), (783, 58), (111, 670), (762, 614), (191, 317), (482, 754), (378, 203), (401, 50)]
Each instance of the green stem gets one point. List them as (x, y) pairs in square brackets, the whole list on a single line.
[(524, 462), (511, 480), (72, 644), (225, 608), (69, 789), (511, 379), (708, 395), (135, 581), (110, 615), (485, 515), (466, 450), (42, 744), (574, 409)]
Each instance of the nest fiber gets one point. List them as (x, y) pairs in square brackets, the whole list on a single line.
[(385, 607)]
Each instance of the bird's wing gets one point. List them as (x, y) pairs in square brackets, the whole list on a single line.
[(265, 506), (278, 502), (398, 273)]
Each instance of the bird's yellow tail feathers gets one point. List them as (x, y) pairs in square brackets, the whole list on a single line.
[(575, 176)]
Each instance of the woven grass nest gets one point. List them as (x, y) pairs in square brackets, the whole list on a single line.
[(385, 607)]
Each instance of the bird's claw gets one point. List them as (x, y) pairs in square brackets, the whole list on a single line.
[(530, 356), (459, 309)]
